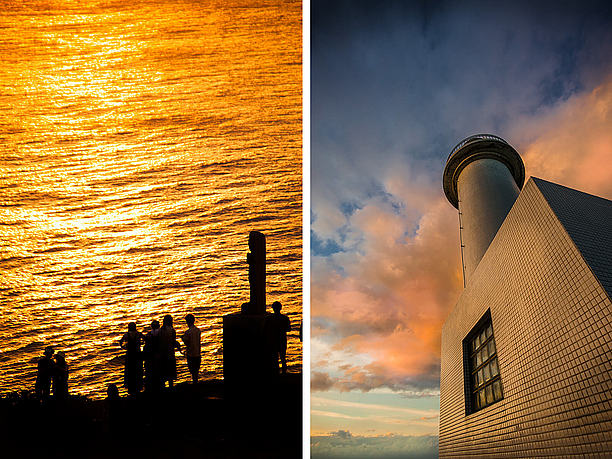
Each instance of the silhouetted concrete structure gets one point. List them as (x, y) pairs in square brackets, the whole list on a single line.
[(526, 360), (257, 272), (246, 353)]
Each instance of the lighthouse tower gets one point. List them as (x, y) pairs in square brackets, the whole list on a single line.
[(482, 179)]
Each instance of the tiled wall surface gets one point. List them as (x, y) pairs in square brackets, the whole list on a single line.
[(588, 220), (552, 325)]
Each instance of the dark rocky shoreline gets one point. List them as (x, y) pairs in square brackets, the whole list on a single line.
[(208, 420)]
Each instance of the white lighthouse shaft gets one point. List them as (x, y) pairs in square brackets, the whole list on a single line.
[(482, 179), (486, 192)]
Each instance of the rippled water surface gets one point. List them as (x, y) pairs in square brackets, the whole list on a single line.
[(141, 141)]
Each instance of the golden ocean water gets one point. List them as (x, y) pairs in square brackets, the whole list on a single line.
[(141, 141)]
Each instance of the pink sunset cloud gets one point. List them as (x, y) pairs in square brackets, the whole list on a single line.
[(392, 297), (388, 298), (572, 144)]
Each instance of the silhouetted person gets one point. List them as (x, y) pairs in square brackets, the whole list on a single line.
[(60, 377), (112, 393), (280, 326), (44, 374), (115, 412), (152, 357), (193, 347), (168, 344), (131, 342)]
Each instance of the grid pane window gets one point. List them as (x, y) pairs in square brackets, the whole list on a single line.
[(494, 369), (485, 382), (489, 393), (497, 389)]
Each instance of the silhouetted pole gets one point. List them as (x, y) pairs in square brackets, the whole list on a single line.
[(257, 272)]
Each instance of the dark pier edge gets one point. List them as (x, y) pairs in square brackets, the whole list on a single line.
[(189, 421)]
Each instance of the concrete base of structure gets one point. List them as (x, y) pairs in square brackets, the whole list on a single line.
[(247, 359)]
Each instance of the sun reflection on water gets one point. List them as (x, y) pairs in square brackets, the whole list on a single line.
[(141, 144)]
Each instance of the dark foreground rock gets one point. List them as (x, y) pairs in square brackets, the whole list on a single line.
[(201, 421)]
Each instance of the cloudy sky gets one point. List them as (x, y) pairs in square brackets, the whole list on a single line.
[(395, 85)]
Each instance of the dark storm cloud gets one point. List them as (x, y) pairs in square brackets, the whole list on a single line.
[(408, 80)]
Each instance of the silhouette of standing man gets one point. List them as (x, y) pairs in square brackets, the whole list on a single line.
[(60, 377), (131, 342), (152, 358), (193, 347), (46, 367), (281, 325), (167, 344)]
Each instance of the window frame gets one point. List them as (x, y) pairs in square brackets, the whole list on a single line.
[(472, 369)]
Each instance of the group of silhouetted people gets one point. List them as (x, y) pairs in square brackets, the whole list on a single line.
[(155, 354), (158, 354), (52, 373)]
